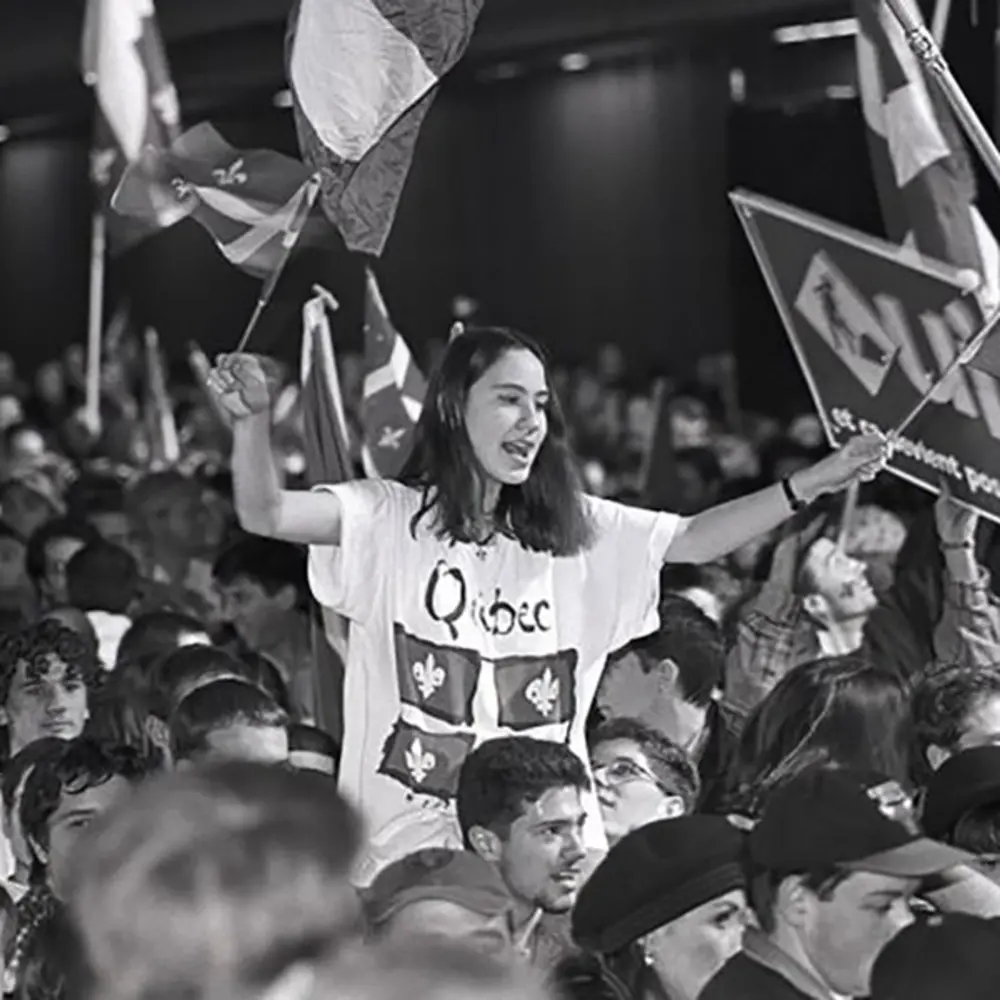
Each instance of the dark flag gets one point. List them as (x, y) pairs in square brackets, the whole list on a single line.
[(254, 203), (394, 390)]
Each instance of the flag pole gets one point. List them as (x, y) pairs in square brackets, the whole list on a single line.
[(926, 49), (288, 241), (95, 323), (939, 25)]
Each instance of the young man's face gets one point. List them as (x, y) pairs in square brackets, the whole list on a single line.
[(69, 822), (843, 935), (840, 582), (47, 698), (252, 611), (542, 858)]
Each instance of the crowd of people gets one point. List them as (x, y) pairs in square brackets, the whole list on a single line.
[(579, 748)]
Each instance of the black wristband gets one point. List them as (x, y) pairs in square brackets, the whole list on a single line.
[(794, 501)]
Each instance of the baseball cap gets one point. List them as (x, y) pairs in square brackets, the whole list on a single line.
[(654, 875), (849, 819), (952, 955), (437, 873), (966, 781)]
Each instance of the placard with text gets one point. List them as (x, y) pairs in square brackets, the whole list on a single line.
[(873, 325)]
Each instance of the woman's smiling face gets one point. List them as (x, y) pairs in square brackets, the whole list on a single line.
[(506, 417)]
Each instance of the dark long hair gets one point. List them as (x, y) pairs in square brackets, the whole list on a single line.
[(547, 513), (838, 711)]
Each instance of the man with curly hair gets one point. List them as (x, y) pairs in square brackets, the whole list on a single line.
[(45, 675)]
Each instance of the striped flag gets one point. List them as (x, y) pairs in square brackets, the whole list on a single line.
[(123, 60), (394, 390), (363, 75), (925, 181), (254, 204), (327, 447)]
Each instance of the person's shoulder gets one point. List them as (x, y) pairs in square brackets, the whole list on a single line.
[(742, 978), (374, 492)]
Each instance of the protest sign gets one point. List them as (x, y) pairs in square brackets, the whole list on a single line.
[(873, 325)]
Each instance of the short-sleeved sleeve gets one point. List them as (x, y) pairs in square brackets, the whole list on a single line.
[(624, 567), (349, 578)]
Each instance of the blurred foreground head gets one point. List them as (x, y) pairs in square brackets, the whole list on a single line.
[(221, 882)]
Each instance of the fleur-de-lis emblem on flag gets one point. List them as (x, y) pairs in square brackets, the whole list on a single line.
[(419, 762), (543, 693), (391, 437), (230, 176), (428, 675)]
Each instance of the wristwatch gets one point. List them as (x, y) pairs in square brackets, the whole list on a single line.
[(794, 500)]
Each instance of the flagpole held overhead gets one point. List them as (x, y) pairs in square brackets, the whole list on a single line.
[(95, 324), (309, 193), (929, 53)]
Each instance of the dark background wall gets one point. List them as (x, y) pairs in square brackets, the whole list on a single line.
[(583, 207)]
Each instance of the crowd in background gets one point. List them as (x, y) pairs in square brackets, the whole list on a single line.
[(760, 760)]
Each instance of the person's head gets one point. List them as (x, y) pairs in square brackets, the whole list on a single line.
[(15, 775), (76, 621), (102, 577), (228, 720), (950, 955), (50, 549), (491, 425), (836, 858), (28, 501), (70, 785), (676, 889), (100, 501), (160, 632), (45, 673), (520, 807), (314, 749), (711, 589), (962, 805), (640, 776), (13, 560), (834, 586), (261, 581), (661, 677), (262, 671), (438, 893), (839, 710), (183, 671), (698, 479), (228, 880), (170, 512), (955, 707)]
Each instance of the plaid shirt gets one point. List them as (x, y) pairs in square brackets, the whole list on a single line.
[(774, 635)]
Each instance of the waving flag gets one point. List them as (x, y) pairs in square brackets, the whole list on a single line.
[(925, 182), (394, 390), (123, 60), (253, 203), (363, 75), (327, 446)]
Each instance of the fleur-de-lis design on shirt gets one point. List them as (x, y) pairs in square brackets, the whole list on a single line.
[(230, 176), (543, 693), (391, 437), (419, 762), (428, 675)]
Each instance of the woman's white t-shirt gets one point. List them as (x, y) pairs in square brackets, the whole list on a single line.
[(452, 644)]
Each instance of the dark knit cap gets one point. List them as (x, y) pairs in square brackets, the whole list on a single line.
[(967, 781), (950, 956), (655, 875)]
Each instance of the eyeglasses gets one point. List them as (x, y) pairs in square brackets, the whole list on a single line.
[(623, 770)]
